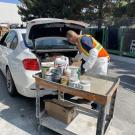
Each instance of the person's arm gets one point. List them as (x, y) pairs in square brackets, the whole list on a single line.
[(87, 42), (91, 59), (93, 53)]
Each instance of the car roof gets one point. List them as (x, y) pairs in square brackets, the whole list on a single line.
[(19, 30)]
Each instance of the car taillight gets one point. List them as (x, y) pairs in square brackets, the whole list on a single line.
[(31, 64)]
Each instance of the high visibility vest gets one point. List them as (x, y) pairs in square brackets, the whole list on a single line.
[(101, 51)]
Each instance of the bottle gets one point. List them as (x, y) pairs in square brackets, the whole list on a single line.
[(67, 72)]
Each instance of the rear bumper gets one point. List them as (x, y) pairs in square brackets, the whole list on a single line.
[(28, 89), (31, 93), (26, 85)]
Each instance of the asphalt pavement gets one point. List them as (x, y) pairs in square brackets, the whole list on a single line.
[(124, 117), (17, 115)]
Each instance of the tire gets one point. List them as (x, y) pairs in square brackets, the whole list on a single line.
[(10, 84)]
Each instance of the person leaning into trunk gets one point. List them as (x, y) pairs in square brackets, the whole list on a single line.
[(95, 57)]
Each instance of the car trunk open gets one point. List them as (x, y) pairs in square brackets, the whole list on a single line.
[(49, 39), (52, 30)]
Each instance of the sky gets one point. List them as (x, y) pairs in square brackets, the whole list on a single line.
[(10, 1)]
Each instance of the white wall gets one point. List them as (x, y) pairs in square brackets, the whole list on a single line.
[(9, 13)]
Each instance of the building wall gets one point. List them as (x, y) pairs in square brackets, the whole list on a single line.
[(9, 13)]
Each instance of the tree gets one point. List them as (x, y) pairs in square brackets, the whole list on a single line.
[(124, 12), (99, 10), (86, 10), (131, 9), (125, 8), (70, 9), (120, 8)]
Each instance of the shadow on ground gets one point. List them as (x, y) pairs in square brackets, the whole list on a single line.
[(19, 112), (126, 73)]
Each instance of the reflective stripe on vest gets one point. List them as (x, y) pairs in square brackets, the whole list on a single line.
[(96, 45)]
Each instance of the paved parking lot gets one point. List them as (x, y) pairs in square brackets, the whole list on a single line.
[(17, 115)]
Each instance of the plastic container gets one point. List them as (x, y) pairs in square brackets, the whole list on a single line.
[(73, 84), (57, 73), (62, 62), (67, 72), (64, 80), (49, 77), (75, 76), (84, 85), (45, 67)]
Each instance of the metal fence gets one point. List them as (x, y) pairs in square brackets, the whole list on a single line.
[(117, 36), (119, 41)]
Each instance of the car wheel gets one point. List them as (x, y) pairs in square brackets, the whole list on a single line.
[(10, 84)]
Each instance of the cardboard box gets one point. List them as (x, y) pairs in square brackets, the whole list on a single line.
[(60, 110)]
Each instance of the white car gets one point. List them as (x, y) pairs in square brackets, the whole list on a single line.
[(22, 51)]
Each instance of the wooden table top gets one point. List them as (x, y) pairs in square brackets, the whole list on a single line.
[(102, 87)]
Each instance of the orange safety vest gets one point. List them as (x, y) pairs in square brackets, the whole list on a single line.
[(101, 51)]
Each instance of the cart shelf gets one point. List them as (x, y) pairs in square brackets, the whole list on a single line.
[(82, 122), (103, 91)]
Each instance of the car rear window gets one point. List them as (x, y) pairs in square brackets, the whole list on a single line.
[(50, 43), (54, 43)]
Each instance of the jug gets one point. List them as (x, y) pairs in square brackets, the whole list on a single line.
[(74, 73)]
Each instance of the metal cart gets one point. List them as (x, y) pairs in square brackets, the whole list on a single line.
[(88, 122)]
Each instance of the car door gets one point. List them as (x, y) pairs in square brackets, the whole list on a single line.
[(6, 51), (1, 47), (12, 55)]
